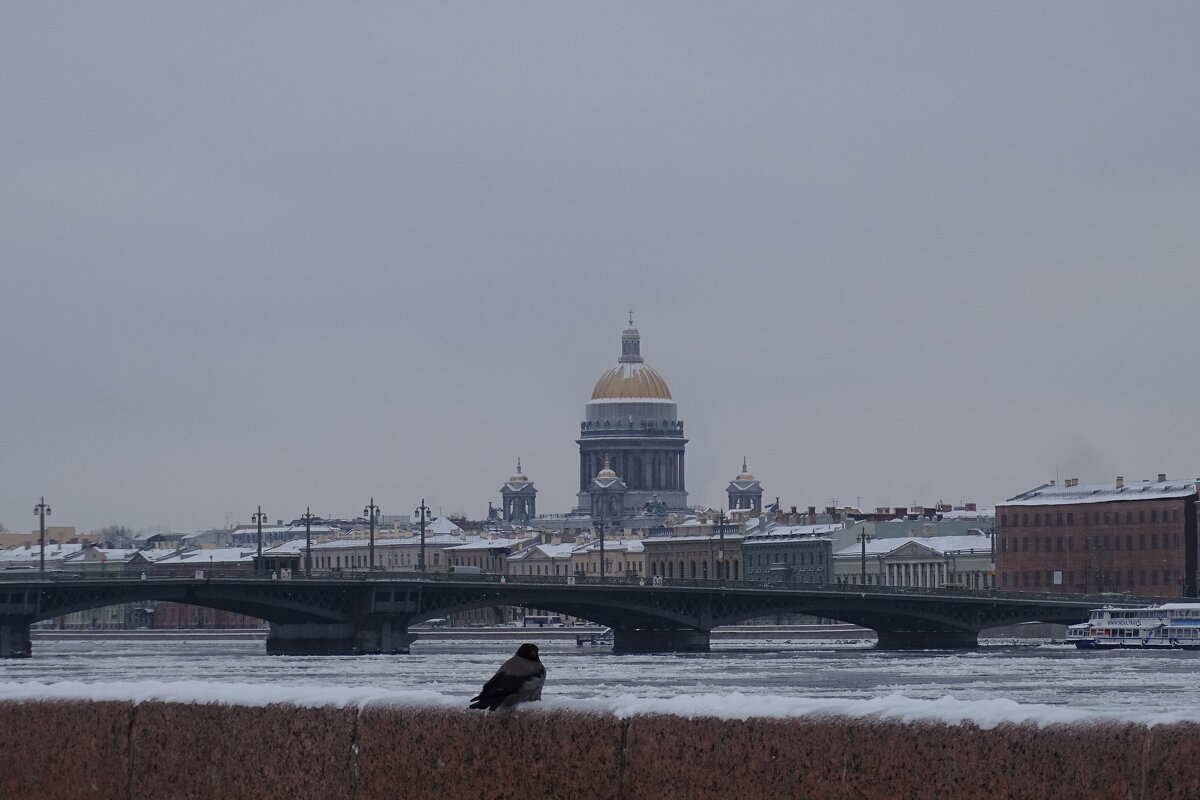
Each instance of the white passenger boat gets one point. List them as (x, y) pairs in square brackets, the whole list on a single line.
[(1168, 626)]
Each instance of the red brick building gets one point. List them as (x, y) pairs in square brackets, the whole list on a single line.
[(1138, 538)]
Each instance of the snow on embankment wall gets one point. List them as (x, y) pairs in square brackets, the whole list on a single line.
[(114, 749)]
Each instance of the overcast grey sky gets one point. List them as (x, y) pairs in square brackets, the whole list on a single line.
[(293, 255)]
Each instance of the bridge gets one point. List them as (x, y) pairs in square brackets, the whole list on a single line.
[(371, 613)]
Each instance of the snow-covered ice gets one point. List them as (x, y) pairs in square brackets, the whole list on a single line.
[(1011, 683)]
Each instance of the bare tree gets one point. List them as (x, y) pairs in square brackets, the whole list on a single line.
[(115, 536)]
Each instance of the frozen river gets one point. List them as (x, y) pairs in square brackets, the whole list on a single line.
[(1027, 672)]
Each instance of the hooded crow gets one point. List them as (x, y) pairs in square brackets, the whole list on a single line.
[(518, 680)]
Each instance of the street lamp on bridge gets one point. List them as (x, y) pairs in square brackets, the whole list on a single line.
[(372, 514), (258, 518), (862, 539), (307, 519), (422, 512), (42, 510)]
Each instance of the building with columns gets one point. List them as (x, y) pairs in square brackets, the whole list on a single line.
[(631, 428)]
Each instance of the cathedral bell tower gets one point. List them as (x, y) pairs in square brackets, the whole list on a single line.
[(519, 496)]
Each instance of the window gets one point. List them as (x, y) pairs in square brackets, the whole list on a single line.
[(1025, 520), (1047, 544), (1058, 518), (1154, 543), (1059, 544), (1153, 515), (1070, 518), (1142, 515), (1128, 517), (1004, 520), (1024, 544), (1037, 520), (1003, 544), (1142, 546), (1129, 543)]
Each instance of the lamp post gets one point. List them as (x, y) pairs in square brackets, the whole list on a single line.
[(372, 514), (720, 523), (863, 538), (422, 512), (41, 510), (307, 519), (258, 518)]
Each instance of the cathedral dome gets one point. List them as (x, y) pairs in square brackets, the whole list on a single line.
[(631, 380), (631, 377)]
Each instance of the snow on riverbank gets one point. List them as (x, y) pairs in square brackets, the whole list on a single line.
[(892, 707)]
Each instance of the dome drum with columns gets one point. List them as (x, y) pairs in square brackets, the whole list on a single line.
[(631, 429)]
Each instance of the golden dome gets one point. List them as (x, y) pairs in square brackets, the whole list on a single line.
[(633, 380), (745, 476)]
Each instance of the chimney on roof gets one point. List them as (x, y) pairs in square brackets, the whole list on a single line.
[(970, 507), (1162, 476), (1120, 482), (812, 513)]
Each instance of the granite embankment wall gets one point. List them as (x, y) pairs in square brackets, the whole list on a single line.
[(159, 750)]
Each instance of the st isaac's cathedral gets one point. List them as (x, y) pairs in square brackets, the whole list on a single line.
[(631, 454)]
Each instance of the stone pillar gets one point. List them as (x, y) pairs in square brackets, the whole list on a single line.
[(660, 640), (14, 638), (911, 639), (371, 636)]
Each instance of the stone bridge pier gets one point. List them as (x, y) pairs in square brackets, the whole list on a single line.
[(372, 635), (660, 640), (14, 638)]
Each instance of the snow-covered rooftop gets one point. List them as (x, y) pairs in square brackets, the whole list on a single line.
[(544, 551), (489, 544), (21, 555), (1052, 494), (217, 555), (938, 544)]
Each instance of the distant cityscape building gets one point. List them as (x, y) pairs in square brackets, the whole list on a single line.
[(1138, 537)]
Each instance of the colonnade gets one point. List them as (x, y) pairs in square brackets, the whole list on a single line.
[(641, 470)]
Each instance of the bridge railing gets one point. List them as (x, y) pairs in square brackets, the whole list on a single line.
[(357, 576)]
